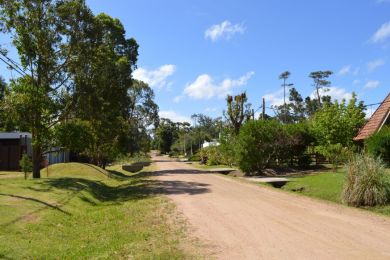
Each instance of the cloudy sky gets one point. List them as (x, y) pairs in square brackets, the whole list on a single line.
[(194, 53)]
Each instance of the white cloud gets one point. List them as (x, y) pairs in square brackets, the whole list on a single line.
[(372, 84), (335, 92), (373, 65), (156, 78), (174, 116), (205, 88), (177, 99), (211, 109), (344, 70), (223, 30), (382, 33), (276, 98), (356, 82)]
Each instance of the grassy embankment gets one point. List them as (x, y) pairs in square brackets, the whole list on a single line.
[(81, 211)]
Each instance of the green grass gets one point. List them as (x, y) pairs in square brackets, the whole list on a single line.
[(81, 211), (326, 186)]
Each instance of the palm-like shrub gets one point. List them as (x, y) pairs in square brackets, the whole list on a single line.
[(367, 183)]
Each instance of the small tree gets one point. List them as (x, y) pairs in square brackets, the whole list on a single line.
[(320, 82), (25, 165), (338, 123)]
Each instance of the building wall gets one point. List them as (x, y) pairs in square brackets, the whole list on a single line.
[(55, 157), (10, 154)]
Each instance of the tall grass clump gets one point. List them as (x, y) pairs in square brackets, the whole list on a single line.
[(366, 183)]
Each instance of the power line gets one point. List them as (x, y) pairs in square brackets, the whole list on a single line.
[(14, 65), (22, 73)]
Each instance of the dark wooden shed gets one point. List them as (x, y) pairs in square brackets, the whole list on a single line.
[(12, 147)]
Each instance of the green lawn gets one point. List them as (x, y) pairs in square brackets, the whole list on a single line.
[(81, 211), (326, 186)]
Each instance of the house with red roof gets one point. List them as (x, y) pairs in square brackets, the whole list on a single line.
[(380, 118)]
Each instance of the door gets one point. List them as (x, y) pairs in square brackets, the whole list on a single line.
[(4, 158)]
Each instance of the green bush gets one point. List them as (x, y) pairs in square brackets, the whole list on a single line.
[(267, 143), (228, 148), (367, 183), (211, 155), (260, 143), (297, 140), (25, 165), (336, 154), (378, 145), (194, 158)]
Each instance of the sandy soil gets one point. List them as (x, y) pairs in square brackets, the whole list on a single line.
[(244, 221)]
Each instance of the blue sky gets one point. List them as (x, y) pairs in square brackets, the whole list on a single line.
[(193, 53)]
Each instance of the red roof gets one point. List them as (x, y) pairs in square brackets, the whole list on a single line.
[(376, 121)]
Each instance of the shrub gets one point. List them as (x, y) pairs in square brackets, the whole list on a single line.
[(25, 165), (260, 143), (378, 145), (194, 158), (335, 153), (367, 183), (228, 148), (297, 140), (210, 155)]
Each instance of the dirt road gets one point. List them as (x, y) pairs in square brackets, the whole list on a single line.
[(243, 221)]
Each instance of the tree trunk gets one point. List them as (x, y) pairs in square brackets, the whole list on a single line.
[(36, 160)]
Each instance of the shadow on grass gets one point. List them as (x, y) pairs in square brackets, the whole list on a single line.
[(41, 202), (119, 176), (136, 187), (36, 200), (131, 187), (4, 257)]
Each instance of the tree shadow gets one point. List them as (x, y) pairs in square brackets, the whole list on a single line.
[(119, 176), (168, 172), (97, 168), (135, 189), (2, 256), (45, 206), (36, 200), (131, 187)]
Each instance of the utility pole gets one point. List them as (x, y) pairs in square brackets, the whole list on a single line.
[(263, 112)]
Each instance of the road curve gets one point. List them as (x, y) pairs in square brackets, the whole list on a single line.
[(244, 221)]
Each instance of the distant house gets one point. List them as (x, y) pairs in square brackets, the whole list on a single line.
[(12, 147), (208, 144), (380, 118), (57, 155)]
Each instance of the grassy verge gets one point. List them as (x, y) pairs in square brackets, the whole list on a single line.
[(81, 211), (325, 186)]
